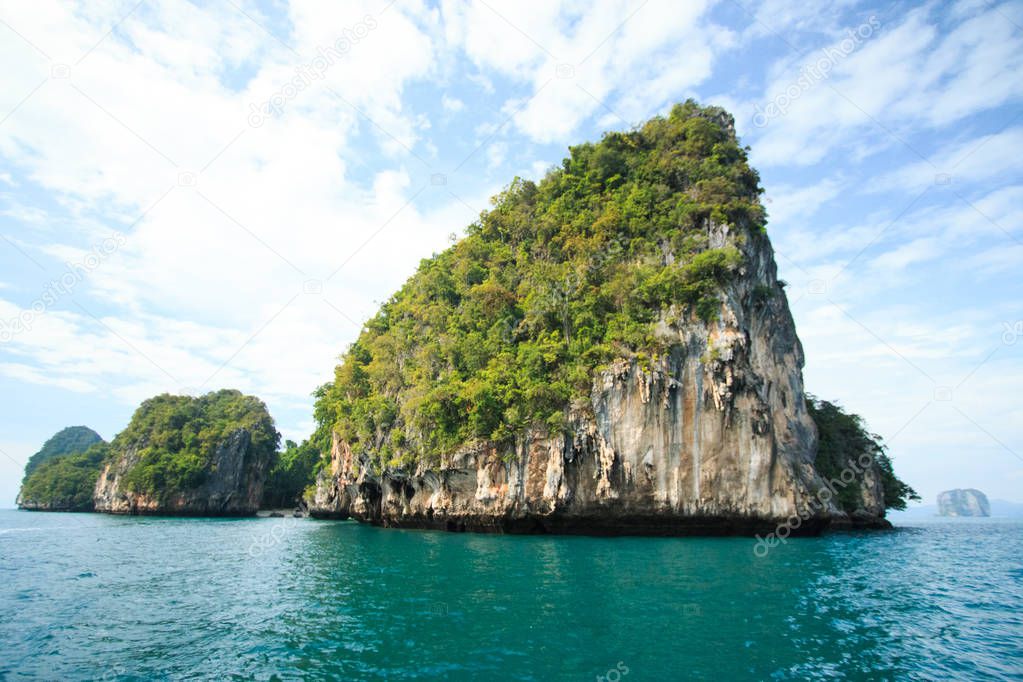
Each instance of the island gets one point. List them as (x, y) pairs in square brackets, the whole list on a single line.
[(62, 475), (606, 351), (179, 455), (963, 502)]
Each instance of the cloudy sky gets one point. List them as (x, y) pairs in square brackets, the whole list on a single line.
[(196, 195)]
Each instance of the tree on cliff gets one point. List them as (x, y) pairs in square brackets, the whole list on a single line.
[(175, 438), (294, 471), (842, 439), (67, 441), (504, 332), (64, 482), (62, 475)]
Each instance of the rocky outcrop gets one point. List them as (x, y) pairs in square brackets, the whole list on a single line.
[(233, 485), (57, 505), (963, 502), (711, 438)]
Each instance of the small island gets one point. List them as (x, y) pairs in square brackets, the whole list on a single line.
[(62, 475), (214, 455), (963, 502)]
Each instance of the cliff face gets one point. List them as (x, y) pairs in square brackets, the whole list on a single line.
[(711, 438), (233, 485), (963, 502)]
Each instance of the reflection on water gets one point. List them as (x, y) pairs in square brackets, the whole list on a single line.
[(83, 597)]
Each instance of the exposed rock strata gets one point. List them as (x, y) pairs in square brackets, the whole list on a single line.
[(233, 486), (713, 438)]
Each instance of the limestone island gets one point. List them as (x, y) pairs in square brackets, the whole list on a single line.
[(606, 351), (963, 502)]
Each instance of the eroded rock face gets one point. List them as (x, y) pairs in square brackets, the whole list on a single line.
[(54, 506), (713, 438), (963, 502), (233, 486)]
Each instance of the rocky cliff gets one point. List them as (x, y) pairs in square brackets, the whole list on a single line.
[(963, 502), (52, 505), (711, 438), (606, 351), (182, 455), (233, 486)]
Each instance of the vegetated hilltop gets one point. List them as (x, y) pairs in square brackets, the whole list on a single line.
[(62, 475), (67, 441), (179, 455), (504, 330), (192, 456)]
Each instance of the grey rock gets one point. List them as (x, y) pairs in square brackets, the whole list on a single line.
[(233, 486), (963, 502)]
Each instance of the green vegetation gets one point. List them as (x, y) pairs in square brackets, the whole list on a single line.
[(65, 482), (294, 472), (65, 442), (177, 436), (504, 330), (843, 438)]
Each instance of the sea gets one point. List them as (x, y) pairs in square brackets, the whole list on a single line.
[(96, 597)]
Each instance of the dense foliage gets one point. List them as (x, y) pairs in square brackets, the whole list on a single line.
[(504, 330), (176, 437), (65, 482), (842, 439), (65, 442), (294, 471)]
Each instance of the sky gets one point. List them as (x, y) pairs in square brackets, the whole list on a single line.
[(205, 195)]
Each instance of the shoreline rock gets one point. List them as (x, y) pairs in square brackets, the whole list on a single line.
[(233, 486)]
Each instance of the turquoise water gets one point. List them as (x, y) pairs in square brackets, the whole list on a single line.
[(101, 597)]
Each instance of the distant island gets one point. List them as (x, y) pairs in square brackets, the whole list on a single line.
[(62, 475), (607, 351), (963, 502), (214, 455)]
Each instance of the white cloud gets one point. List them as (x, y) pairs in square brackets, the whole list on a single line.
[(622, 60), (452, 104), (982, 159), (905, 74), (210, 270), (787, 203), (496, 154)]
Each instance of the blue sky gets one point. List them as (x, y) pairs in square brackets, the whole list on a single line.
[(205, 195)]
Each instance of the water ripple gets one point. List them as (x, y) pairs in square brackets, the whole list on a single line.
[(140, 599)]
